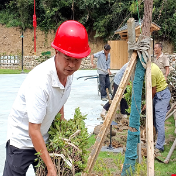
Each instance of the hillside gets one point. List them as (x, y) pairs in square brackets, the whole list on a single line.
[(11, 43)]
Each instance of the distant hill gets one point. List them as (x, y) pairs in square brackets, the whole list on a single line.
[(11, 43)]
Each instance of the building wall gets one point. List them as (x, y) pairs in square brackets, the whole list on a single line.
[(119, 53)]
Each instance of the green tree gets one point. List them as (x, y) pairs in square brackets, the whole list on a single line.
[(101, 17), (164, 15)]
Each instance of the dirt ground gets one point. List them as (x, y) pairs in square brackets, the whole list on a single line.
[(121, 129), (11, 41)]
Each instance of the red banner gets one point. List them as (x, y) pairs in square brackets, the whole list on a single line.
[(34, 21)]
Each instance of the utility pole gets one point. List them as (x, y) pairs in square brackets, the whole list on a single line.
[(73, 10), (22, 53), (34, 25)]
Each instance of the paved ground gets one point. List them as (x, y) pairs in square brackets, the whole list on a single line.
[(84, 94)]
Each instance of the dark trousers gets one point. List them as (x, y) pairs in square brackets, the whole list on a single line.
[(18, 160), (123, 103), (104, 83)]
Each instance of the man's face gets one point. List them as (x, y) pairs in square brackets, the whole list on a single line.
[(66, 65), (157, 49), (106, 51)]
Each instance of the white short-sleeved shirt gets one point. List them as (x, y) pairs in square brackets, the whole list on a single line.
[(119, 75), (40, 98)]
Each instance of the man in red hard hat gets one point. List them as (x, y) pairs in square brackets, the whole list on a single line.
[(41, 96)]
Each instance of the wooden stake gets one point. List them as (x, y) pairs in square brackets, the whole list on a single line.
[(149, 122), (172, 107), (175, 121), (166, 161), (110, 115), (132, 39), (170, 114), (147, 19), (131, 34)]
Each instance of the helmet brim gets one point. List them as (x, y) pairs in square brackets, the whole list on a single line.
[(74, 55)]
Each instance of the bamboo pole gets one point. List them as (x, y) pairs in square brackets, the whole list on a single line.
[(110, 115)]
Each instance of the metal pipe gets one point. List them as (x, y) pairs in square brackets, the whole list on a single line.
[(153, 43), (91, 78), (22, 53), (87, 76), (110, 145), (34, 25)]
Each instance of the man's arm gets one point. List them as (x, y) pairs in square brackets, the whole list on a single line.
[(109, 72), (153, 91), (39, 145), (109, 64), (62, 113), (92, 61), (167, 71)]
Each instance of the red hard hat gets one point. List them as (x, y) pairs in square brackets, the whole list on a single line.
[(72, 39)]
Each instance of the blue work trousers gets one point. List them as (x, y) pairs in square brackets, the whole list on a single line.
[(160, 104), (104, 83), (123, 102)]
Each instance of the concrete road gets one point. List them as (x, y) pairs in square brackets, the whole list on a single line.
[(84, 94)]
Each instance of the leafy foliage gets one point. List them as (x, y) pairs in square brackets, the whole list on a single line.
[(44, 56), (164, 15), (61, 135), (128, 95)]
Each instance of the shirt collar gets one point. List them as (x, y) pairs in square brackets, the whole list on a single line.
[(103, 52), (161, 55)]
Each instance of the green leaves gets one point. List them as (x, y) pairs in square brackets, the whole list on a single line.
[(62, 135), (128, 95), (102, 17)]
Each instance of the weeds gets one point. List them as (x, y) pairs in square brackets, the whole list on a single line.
[(101, 167)]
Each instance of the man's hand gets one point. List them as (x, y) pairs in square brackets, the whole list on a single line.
[(64, 119), (166, 78), (144, 107), (92, 61), (93, 65), (109, 72), (52, 172), (153, 91)]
